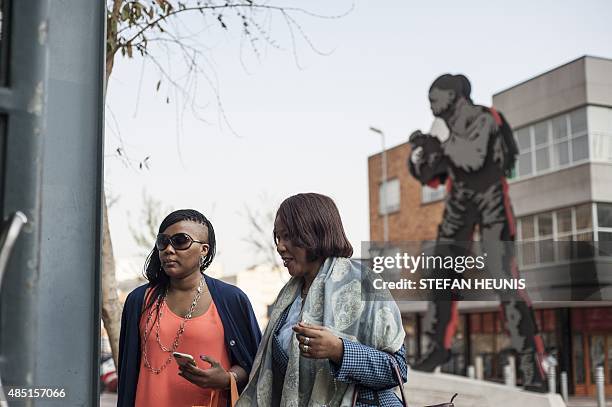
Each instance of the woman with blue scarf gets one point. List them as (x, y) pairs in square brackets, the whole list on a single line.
[(325, 344)]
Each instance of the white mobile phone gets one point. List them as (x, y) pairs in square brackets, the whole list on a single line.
[(183, 358)]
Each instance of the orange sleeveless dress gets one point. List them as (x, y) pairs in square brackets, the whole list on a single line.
[(203, 335)]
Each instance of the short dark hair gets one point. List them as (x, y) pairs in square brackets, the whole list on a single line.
[(458, 83), (313, 223)]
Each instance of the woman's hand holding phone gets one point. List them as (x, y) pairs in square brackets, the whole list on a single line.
[(183, 359), (216, 377)]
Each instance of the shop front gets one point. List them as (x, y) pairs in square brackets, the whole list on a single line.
[(591, 347)]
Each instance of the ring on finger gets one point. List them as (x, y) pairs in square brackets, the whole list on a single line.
[(305, 348), (306, 340)]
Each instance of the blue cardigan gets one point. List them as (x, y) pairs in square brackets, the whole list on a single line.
[(242, 334)]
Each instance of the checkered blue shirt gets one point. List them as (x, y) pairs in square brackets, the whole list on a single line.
[(372, 371)]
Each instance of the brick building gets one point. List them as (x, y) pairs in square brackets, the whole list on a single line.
[(411, 217)]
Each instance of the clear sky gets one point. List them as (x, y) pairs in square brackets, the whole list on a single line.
[(305, 129)]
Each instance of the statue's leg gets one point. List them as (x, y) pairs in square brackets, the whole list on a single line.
[(440, 321), (498, 243), (439, 325)]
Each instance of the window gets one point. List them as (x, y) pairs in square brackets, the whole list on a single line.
[(600, 133), (527, 228), (578, 121), (584, 219), (602, 146), (545, 237), (604, 226), (580, 141), (560, 137), (545, 225), (527, 233), (564, 221), (555, 143), (389, 193), (559, 127), (542, 152), (605, 244), (524, 142), (580, 148), (429, 194), (524, 138), (525, 167), (561, 154), (538, 233), (564, 233), (604, 215), (540, 133)]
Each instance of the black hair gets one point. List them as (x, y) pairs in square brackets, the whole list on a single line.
[(313, 223), (458, 83), (153, 271)]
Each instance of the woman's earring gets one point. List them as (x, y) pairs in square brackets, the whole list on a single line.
[(201, 262)]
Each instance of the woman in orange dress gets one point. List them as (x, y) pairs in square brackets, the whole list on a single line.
[(183, 310)]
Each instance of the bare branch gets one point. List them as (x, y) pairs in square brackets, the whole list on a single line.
[(305, 37), (293, 47), (251, 6), (162, 20), (144, 232), (260, 237)]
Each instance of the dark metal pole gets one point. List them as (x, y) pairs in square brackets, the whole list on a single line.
[(53, 172), (72, 182), (22, 105)]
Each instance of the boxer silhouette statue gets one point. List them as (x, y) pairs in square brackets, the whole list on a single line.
[(473, 152)]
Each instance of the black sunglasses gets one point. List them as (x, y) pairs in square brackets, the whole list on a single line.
[(180, 241)]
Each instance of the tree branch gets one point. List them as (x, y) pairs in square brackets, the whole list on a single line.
[(251, 6), (111, 36)]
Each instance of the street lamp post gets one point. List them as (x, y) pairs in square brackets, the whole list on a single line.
[(383, 197)]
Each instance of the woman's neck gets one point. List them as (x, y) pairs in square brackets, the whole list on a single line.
[(310, 275), (186, 284)]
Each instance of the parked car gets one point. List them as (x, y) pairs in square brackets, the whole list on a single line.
[(108, 373)]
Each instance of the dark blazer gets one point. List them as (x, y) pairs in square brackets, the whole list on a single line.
[(242, 334)]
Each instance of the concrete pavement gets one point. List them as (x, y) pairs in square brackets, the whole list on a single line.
[(586, 402), (108, 399)]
